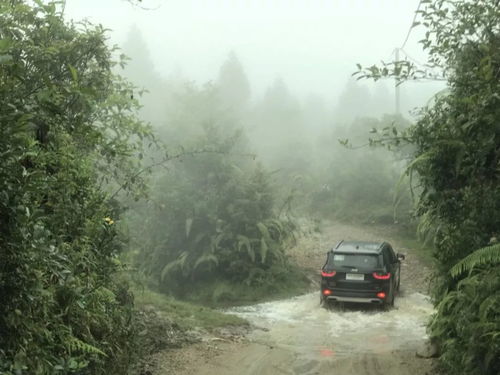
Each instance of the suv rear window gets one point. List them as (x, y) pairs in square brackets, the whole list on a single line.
[(353, 260)]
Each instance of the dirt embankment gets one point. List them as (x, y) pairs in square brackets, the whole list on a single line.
[(296, 336)]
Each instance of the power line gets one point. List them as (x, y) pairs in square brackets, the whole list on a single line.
[(409, 57), (397, 88), (433, 74), (412, 24), (396, 51)]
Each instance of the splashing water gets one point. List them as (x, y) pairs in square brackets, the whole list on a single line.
[(301, 322)]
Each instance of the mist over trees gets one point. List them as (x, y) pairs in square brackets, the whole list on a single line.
[(233, 85), (287, 135), (224, 213), (117, 174), (455, 157)]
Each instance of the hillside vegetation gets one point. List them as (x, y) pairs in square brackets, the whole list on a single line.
[(67, 128), (130, 202), (456, 163)]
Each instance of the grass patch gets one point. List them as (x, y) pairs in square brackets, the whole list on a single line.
[(280, 284), (408, 239), (186, 315)]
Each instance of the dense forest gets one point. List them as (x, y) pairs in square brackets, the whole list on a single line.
[(116, 179)]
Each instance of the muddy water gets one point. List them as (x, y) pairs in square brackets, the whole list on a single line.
[(297, 336), (301, 325)]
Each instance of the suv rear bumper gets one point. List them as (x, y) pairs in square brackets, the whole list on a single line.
[(355, 299)]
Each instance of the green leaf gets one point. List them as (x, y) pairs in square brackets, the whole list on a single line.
[(4, 59), (77, 345), (189, 223), (263, 250), (486, 255), (263, 230), (5, 44), (177, 265), (207, 258), (74, 73), (244, 241)]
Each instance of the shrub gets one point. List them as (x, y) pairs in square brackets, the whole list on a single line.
[(65, 119)]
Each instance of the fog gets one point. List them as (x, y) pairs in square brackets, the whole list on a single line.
[(254, 97), (312, 45), (178, 178)]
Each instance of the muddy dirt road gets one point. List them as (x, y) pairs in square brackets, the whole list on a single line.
[(297, 336)]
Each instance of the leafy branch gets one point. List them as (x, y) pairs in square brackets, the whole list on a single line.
[(167, 159)]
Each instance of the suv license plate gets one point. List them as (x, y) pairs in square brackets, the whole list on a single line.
[(354, 276)]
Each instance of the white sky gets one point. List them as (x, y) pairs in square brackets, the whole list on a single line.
[(313, 45)]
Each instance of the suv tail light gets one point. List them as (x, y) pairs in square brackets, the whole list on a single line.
[(328, 274), (327, 292), (381, 295), (382, 276)]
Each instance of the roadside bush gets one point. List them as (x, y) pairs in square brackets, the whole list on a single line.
[(65, 119), (467, 324), (213, 221), (455, 162), (360, 182)]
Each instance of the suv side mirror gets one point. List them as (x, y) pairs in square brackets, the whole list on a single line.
[(401, 256)]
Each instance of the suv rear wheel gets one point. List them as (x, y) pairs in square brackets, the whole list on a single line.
[(389, 303)]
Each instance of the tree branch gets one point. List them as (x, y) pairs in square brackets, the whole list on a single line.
[(169, 159)]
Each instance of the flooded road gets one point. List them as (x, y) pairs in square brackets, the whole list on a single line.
[(301, 325), (298, 337)]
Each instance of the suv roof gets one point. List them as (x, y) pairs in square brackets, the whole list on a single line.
[(359, 247)]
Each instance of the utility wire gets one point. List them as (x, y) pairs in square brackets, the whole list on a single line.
[(409, 57), (411, 26)]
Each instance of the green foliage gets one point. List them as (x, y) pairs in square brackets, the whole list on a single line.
[(467, 324), (455, 157), (188, 316), (212, 220), (67, 127), (488, 255), (219, 224), (456, 140), (361, 183), (233, 84)]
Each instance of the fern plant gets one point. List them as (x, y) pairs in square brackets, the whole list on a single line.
[(76, 345), (489, 255), (467, 323), (220, 225)]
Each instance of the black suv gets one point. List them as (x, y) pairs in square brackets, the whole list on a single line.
[(367, 272)]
